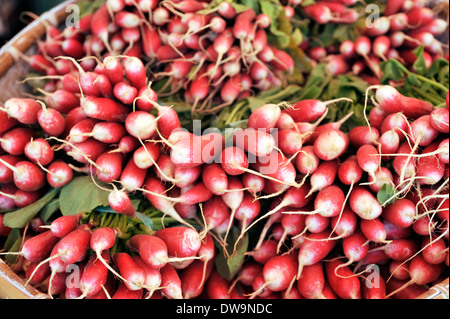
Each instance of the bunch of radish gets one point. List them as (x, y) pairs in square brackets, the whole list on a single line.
[(393, 33)]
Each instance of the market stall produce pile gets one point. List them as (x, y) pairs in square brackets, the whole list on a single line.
[(315, 169)]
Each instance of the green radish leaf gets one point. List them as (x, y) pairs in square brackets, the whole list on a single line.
[(147, 221), (12, 244), (419, 65), (385, 195), (21, 217), (82, 195), (49, 209), (229, 265)]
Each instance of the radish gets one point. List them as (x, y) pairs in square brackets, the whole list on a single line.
[(217, 287), (120, 202), (344, 224), (132, 177), (193, 278), (39, 151), (109, 166), (59, 173), (361, 135), (278, 274), (133, 274), (342, 280), (374, 230), (439, 119), (264, 117), (234, 161), (433, 249), (421, 273), (74, 245), (14, 141), (105, 109), (329, 202), (310, 110), (422, 132), (123, 292), (181, 241), (355, 248), (24, 110), (215, 178), (215, 212), (27, 175), (62, 226), (171, 283), (364, 204), (37, 248), (368, 159), (153, 276), (331, 144), (401, 249), (146, 155), (324, 175), (125, 93), (312, 281), (314, 249), (392, 101), (94, 276)]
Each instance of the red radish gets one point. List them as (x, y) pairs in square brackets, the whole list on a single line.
[(310, 110), (342, 280), (344, 224), (6, 121), (104, 86), (38, 247), (361, 135), (439, 119), (105, 109), (401, 249), (184, 177), (364, 203), (355, 248), (133, 274), (368, 159), (193, 279), (113, 69), (264, 117), (82, 130), (39, 151), (74, 245), (217, 287), (181, 241), (433, 249), (264, 252), (405, 165), (94, 275), (278, 274), (120, 202), (146, 155), (132, 177), (253, 183), (14, 141), (374, 230), (123, 292), (62, 226), (108, 132), (315, 223), (154, 191), (328, 126), (234, 161), (389, 142), (171, 283), (329, 202), (215, 212), (422, 132), (61, 100), (215, 178), (421, 272), (127, 144), (307, 161), (331, 144), (314, 249), (59, 174), (324, 175), (312, 281), (153, 276), (292, 225), (125, 93), (134, 70), (109, 166), (392, 101), (141, 124), (349, 172), (24, 110), (376, 117), (27, 176), (38, 277)]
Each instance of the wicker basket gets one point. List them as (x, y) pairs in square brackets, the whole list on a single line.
[(11, 285)]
